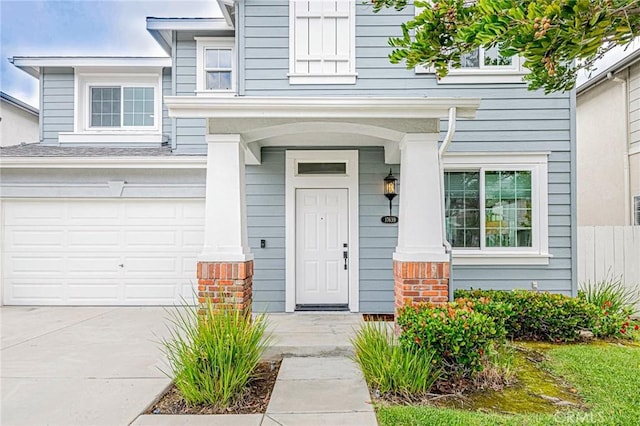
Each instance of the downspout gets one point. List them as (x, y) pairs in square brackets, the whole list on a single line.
[(451, 130), (626, 165)]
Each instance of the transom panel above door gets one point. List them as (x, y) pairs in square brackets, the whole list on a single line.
[(322, 233)]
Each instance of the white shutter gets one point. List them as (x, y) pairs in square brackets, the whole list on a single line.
[(322, 39)]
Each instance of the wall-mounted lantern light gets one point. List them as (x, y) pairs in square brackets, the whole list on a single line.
[(390, 191)]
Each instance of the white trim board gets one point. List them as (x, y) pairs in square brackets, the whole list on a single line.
[(177, 162), (348, 181), (314, 107)]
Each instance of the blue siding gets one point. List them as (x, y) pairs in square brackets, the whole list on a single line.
[(190, 133), (266, 220), (510, 119), (377, 240), (57, 103)]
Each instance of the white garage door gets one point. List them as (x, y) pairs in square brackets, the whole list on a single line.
[(100, 252)]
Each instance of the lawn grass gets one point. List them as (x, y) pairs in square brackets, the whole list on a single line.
[(606, 375)]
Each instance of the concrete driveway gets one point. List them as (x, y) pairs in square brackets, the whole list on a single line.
[(79, 366)]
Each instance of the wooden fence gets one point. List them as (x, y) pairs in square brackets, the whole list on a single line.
[(609, 251)]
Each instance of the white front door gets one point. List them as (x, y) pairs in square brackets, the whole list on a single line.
[(322, 234)]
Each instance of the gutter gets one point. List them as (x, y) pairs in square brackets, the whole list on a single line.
[(624, 83), (451, 130)]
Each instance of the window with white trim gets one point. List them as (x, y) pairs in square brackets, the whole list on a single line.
[(122, 106), (636, 210), (114, 106), (215, 65), (487, 59), (322, 42), (497, 207), (481, 66)]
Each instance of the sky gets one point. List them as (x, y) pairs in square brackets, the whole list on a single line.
[(100, 28), (81, 27)]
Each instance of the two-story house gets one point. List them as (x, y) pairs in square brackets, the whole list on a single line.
[(250, 163)]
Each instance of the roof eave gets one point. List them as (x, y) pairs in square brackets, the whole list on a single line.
[(19, 104), (613, 69), (32, 65)]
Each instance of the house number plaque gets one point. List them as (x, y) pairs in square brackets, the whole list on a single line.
[(389, 219)]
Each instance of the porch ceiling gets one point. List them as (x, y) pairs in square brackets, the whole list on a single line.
[(327, 121)]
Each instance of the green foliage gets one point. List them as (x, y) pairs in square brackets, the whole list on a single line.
[(616, 303), (458, 335), (606, 376), (213, 353), (555, 38), (539, 315), (389, 367), (611, 291)]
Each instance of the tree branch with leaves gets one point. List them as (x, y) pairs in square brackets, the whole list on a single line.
[(554, 38)]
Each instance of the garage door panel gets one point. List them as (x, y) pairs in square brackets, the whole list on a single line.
[(150, 214), (90, 213), (94, 294), (166, 239), (16, 265), (59, 252), (38, 292), (30, 239), (158, 290), (81, 265), (33, 213), (189, 263), (92, 239), (193, 214), (193, 239), (151, 266)]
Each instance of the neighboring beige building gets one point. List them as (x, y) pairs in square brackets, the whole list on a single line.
[(608, 140), (18, 121)]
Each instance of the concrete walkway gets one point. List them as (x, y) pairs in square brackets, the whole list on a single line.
[(79, 366), (101, 366), (320, 391)]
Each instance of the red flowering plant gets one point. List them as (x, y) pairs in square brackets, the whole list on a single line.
[(456, 333), (616, 302)]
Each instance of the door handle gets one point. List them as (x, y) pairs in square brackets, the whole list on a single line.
[(345, 255)]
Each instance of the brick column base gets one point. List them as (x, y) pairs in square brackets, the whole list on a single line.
[(226, 284), (420, 282)]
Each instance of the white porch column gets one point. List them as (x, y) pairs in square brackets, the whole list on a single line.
[(420, 217), (225, 233)]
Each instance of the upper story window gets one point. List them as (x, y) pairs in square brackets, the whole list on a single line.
[(487, 59), (496, 208), (122, 106), (216, 65), (322, 42), (116, 104), (481, 66)]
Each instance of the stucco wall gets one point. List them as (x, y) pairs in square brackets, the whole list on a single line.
[(601, 139), (17, 126)]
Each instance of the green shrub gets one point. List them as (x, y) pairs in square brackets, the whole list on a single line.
[(616, 303), (539, 315), (458, 335), (389, 367), (213, 353), (611, 293)]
